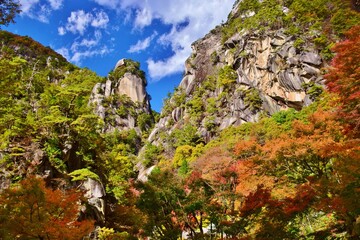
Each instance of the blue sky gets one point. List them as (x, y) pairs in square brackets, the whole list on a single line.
[(97, 33)]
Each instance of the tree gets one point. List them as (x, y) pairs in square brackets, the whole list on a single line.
[(32, 211), (161, 202), (344, 78), (8, 10)]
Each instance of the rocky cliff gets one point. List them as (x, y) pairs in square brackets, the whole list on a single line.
[(69, 126), (238, 79), (122, 100)]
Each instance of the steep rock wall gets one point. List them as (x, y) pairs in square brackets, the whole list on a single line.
[(121, 99), (264, 73)]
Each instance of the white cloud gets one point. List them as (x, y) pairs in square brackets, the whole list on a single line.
[(79, 56), (100, 20), (108, 3), (56, 4), (78, 22), (201, 16), (64, 52), (61, 31), (39, 10), (43, 14), (83, 48), (143, 18), (87, 43), (174, 64), (27, 5), (142, 44)]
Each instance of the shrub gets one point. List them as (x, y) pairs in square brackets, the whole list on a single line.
[(83, 174), (227, 76), (151, 154), (252, 98), (144, 121)]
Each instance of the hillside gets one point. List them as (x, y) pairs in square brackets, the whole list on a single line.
[(260, 140)]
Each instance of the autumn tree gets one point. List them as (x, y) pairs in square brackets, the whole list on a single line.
[(30, 210), (344, 78)]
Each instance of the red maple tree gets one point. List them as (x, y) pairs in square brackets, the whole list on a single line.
[(32, 211), (344, 78)]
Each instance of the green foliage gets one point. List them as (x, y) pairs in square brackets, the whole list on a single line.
[(151, 154), (227, 76), (119, 169), (156, 116), (299, 43), (195, 107), (253, 99), (324, 21), (185, 136), (343, 20), (129, 66), (210, 124), (182, 153), (285, 118), (83, 174), (314, 90), (255, 15), (162, 191), (211, 106), (105, 233), (144, 121), (209, 83), (177, 99), (214, 58), (122, 111), (54, 154)]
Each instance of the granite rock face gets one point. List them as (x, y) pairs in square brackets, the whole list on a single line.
[(122, 98), (95, 193), (132, 86), (267, 65)]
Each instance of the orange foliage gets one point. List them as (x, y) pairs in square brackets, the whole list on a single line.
[(307, 151), (255, 201), (213, 162), (36, 212), (300, 202), (246, 148), (344, 78)]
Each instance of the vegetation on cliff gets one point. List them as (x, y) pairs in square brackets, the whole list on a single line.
[(291, 175)]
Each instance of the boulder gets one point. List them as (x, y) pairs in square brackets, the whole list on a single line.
[(310, 69), (226, 122), (132, 86), (290, 80), (177, 114), (94, 192), (107, 88), (121, 62), (311, 58)]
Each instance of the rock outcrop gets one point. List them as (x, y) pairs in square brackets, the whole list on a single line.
[(122, 97), (250, 74), (95, 192)]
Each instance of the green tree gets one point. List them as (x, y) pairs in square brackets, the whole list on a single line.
[(161, 202)]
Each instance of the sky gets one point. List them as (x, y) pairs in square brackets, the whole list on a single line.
[(97, 33)]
